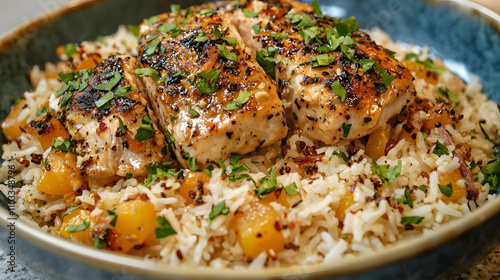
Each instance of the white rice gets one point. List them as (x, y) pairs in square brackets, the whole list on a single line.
[(312, 226)]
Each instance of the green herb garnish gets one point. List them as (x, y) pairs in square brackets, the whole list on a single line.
[(217, 210), (339, 90), (145, 130), (242, 98), (249, 14), (268, 184), (406, 220), (447, 190), (346, 128), (70, 210), (165, 228), (41, 111), (291, 189), (440, 149), (72, 228), (386, 173), (341, 155), (406, 198), (69, 49)]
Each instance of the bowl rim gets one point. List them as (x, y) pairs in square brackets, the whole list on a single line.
[(115, 262)]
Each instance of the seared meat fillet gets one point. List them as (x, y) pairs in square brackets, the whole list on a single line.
[(337, 83), (108, 119), (211, 96)]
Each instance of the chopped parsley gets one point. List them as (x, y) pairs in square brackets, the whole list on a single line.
[(145, 130), (440, 149), (316, 9), (208, 81), (134, 29), (386, 77), (347, 26), (129, 175), (406, 198), (167, 27), (206, 12), (71, 210), (41, 111), (447, 190), (201, 38), (189, 11), (69, 49), (266, 60), (104, 101), (113, 221), (208, 170), (193, 113), (341, 155), (217, 210), (268, 184), (346, 128), (322, 60), (151, 20), (152, 47), (449, 94), (406, 220), (192, 164), (83, 226), (339, 90), (225, 53), (98, 243), (422, 188), (165, 228), (306, 21), (310, 33), (367, 64), (249, 14), (386, 173), (486, 136), (491, 172), (256, 28), (222, 166), (158, 171), (276, 36), (176, 9), (242, 98), (291, 189), (146, 72), (122, 127), (63, 145)]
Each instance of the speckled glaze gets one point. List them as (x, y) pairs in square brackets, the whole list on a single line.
[(466, 36)]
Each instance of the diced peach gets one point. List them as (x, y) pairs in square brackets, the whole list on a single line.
[(46, 130), (192, 187), (375, 147), (89, 62), (442, 117), (458, 191), (134, 224), (345, 202), (258, 230), (278, 196), (63, 177), (11, 126), (75, 219), (429, 77)]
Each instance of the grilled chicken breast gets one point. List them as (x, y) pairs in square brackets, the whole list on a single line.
[(108, 118), (336, 82), (211, 96)]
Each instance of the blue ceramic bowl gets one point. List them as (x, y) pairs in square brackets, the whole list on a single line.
[(465, 35)]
